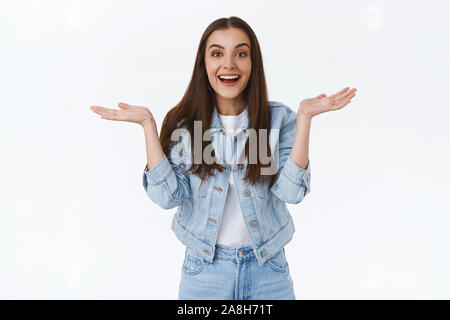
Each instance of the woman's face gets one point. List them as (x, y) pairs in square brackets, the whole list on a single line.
[(228, 52)]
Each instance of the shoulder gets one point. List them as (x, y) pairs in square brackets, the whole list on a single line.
[(281, 114)]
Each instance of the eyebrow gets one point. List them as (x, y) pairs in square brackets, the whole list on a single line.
[(239, 45)]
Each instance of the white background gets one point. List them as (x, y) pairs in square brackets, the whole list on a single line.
[(75, 221)]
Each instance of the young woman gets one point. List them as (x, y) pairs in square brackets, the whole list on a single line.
[(232, 214)]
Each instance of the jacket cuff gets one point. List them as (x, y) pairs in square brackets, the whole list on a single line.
[(296, 174), (159, 172)]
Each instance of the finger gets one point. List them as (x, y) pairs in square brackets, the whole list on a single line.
[(344, 102), (350, 93), (345, 95), (106, 113), (101, 111), (340, 92), (98, 109), (323, 95), (124, 105)]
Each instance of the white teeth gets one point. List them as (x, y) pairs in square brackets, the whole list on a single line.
[(229, 77)]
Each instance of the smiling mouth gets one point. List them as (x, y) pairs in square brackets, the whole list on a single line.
[(229, 81)]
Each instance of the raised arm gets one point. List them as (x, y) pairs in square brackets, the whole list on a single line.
[(153, 147), (139, 115), (307, 110), (293, 180), (164, 178)]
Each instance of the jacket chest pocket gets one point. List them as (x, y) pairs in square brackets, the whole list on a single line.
[(199, 190)]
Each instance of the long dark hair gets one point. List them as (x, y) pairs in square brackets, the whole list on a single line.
[(199, 100)]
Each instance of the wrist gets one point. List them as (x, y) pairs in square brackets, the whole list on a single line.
[(149, 125), (148, 122), (303, 117)]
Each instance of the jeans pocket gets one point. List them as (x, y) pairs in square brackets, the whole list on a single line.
[(278, 262), (192, 265)]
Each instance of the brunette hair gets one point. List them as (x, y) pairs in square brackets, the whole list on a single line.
[(198, 104)]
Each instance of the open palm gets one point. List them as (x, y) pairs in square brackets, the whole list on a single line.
[(314, 106), (125, 113)]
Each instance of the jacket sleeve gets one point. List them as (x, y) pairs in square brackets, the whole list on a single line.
[(292, 183), (167, 183)]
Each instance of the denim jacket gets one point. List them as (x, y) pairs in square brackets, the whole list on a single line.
[(200, 207)]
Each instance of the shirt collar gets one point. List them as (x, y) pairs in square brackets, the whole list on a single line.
[(216, 125)]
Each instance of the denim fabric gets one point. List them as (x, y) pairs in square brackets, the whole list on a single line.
[(235, 274), (200, 206)]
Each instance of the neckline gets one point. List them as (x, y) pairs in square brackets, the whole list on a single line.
[(240, 115)]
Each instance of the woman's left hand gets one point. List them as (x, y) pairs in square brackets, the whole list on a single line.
[(314, 106)]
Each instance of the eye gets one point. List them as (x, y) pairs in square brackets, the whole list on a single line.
[(245, 54)]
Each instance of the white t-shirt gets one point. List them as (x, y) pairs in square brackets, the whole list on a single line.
[(233, 232)]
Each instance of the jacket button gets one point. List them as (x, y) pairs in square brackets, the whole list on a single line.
[(254, 224), (212, 220), (246, 193), (263, 254), (241, 254), (207, 252)]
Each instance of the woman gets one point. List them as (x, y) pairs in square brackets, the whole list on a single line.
[(232, 215)]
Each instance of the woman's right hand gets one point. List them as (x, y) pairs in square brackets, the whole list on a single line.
[(140, 115)]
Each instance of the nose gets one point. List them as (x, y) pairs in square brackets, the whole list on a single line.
[(229, 62)]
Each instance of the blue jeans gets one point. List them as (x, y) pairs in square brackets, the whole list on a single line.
[(235, 274)]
